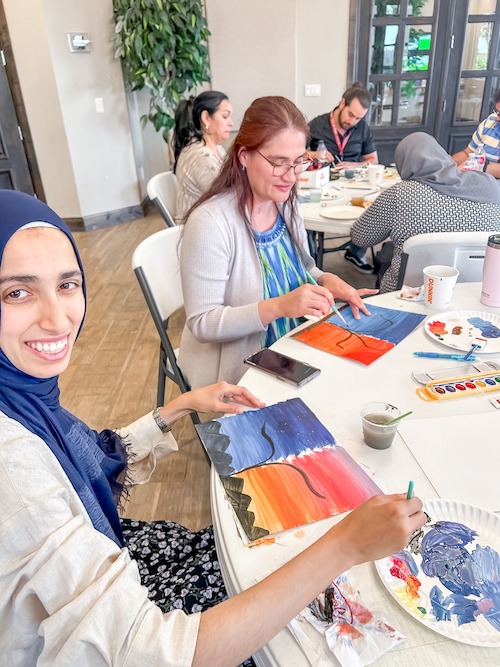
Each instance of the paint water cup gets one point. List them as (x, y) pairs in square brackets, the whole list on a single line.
[(439, 282), (375, 174), (315, 195), (374, 418)]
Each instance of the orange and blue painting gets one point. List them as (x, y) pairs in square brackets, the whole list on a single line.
[(363, 340), (281, 468)]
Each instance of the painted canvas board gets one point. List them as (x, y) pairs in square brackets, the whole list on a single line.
[(363, 340), (281, 468)]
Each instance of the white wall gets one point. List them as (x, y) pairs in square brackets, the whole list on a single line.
[(85, 158), (275, 47), (322, 53)]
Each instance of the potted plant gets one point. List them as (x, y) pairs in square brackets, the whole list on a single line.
[(163, 47)]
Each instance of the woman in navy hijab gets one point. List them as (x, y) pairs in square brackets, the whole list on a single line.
[(69, 591)]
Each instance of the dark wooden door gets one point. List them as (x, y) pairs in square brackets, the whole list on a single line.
[(14, 170), (431, 65), (473, 73)]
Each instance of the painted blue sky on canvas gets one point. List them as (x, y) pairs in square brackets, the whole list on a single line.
[(291, 425), (384, 323)]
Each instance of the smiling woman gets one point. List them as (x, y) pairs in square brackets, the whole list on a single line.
[(42, 311), (245, 262), (70, 592)]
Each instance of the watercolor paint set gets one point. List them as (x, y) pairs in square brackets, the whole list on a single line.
[(464, 385)]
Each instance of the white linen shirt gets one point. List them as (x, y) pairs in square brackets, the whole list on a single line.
[(68, 594)]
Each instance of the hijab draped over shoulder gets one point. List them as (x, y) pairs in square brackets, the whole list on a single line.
[(420, 158), (95, 463)]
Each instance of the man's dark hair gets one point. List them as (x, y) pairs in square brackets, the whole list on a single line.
[(358, 92)]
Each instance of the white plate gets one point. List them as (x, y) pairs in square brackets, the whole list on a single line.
[(364, 188), (342, 212), (459, 321), (478, 632)]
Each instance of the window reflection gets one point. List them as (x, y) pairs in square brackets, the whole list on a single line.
[(385, 8), (384, 49), (470, 98), (477, 46), (417, 48), (421, 8), (381, 108), (482, 6), (412, 102)]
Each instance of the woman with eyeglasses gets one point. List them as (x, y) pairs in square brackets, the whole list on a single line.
[(247, 274)]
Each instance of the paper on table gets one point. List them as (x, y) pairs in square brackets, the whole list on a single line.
[(460, 455), (355, 635)]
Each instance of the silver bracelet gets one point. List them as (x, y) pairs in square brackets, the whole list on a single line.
[(160, 422)]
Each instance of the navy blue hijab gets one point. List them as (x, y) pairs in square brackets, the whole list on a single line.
[(95, 463)]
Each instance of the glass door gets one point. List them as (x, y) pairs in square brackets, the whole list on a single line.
[(468, 92), (404, 47), (431, 65)]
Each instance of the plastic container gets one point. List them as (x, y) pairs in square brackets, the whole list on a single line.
[(490, 292), (480, 156), (321, 151)]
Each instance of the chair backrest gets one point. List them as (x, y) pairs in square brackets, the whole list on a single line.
[(157, 266), (162, 191), (463, 250)]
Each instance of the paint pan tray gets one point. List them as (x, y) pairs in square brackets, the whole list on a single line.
[(465, 385)]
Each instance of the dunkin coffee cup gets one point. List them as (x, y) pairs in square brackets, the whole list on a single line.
[(439, 282)]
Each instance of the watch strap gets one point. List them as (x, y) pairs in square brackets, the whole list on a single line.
[(160, 422)]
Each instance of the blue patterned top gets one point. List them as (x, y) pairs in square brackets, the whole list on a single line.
[(282, 272)]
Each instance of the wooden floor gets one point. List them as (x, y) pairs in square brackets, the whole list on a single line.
[(112, 377)]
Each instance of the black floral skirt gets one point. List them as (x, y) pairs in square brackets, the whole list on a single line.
[(179, 568)]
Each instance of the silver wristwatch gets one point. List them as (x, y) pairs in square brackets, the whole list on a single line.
[(160, 422)]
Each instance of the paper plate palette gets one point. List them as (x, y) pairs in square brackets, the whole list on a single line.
[(459, 597), (342, 212), (458, 329)]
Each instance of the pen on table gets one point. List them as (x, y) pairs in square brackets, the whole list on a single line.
[(410, 490), (440, 355), (334, 308)]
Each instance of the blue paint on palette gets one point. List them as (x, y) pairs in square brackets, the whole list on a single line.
[(383, 323), (469, 574), (487, 328), (290, 424)]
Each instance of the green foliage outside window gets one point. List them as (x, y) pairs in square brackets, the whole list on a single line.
[(163, 48)]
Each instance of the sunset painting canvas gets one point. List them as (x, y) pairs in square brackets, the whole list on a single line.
[(363, 340), (281, 468)]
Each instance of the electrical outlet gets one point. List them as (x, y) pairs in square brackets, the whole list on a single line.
[(312, 89), (99, 104)]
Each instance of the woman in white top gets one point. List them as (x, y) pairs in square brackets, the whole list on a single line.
[(70, 594), (201, 125)]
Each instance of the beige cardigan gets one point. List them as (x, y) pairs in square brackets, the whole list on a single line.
[(222, 286)]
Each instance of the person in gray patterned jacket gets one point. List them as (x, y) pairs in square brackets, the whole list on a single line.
[(432, 196)]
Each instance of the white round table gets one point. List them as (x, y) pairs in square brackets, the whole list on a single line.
[(334, 194), (336, 397)]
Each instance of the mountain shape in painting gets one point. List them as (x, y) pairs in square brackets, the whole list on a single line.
[(281, 468)]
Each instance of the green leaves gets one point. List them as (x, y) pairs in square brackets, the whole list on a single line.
[(163, 46)]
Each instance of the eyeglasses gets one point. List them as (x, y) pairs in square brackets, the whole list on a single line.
[(282, 169), (497, 111)]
